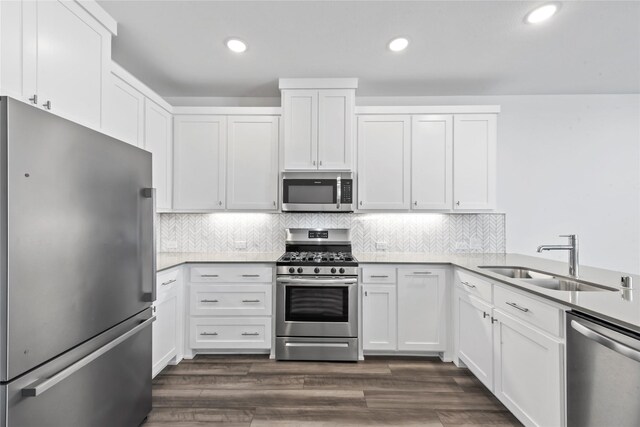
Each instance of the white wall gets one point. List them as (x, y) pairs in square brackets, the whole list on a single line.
[(566, 164)]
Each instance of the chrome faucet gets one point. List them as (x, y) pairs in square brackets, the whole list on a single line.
[(572, 247)]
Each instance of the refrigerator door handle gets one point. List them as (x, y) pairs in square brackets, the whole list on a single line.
[(150, 193), (38, 387)]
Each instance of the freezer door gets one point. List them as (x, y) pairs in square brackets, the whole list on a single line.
[(105, 382), (79, 235)]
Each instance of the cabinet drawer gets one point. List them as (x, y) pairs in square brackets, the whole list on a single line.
[(536, 312), (378, 275), (230, 333), (167, 280), (231, 300), (474, 285), (223, 274)]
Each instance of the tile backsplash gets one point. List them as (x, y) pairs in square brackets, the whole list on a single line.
[(402, 232)]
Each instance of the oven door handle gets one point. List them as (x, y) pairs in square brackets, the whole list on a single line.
[(314, 282)]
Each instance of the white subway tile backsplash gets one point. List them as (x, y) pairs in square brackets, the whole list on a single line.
[(402, 232)]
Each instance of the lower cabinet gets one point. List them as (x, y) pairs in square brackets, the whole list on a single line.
[(167, 328), (528, 372), (230, 333), (407, 312)]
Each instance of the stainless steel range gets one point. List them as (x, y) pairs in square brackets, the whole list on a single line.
[(317, 297)]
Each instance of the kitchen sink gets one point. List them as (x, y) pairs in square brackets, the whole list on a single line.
[(546, 280)]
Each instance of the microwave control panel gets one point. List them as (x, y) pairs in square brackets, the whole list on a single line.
[(347, 191)]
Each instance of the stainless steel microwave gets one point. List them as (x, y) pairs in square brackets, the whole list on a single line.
[(317, 192)]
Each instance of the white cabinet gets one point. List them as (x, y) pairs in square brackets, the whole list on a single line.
[(474, 161), (422, 309), (167, 328), (528, 372), (158, 138), (474, 336), (11, 47), (65, 60), (124, 112), (318, 128), (199, 162), (252, 166), (383, 162), (379, 317), (431, 162)]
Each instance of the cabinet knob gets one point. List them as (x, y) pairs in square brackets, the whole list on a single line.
[(320, 162), (360, 202), (34, 99), (415, 203), (458, 203), (47, 105), (220, 203), (274, 203), (314, 163)]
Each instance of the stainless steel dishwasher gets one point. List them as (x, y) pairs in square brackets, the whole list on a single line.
[(603, 373)]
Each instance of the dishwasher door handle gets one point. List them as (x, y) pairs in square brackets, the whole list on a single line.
[(612, 344)]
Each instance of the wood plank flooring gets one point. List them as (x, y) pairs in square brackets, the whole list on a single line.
[(255, 391)]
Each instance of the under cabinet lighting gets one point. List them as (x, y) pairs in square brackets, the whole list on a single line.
[(236, 45), (541, 13), (398, 44)]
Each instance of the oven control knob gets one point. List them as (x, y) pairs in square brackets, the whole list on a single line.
[(299, 269), (333, 270), (342, 270), (316, 270), (292, 270)]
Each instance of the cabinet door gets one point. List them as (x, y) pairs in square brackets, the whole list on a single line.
[(158, 140), (252, 166), (383, 162), (528, 372), (475, 336), (335, 128), (431, 162), (124, 112), (70, 55), (379, 317), (11, 48), (474, 161), (300, 129), (199, 162), (422, 313), (165, 330)]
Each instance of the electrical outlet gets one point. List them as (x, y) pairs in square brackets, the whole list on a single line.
[(381, 246), (170, 245), (475, 243), (240, 244)]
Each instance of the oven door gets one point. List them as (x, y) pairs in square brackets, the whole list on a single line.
[(311, 195), (317, 307)]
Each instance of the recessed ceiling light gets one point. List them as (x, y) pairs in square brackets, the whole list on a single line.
[(398, 44), (541, 13), (236, 45)]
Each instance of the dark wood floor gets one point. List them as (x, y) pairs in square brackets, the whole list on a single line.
[(255, 391)]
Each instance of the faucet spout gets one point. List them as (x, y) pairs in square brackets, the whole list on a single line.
[(572, 247)]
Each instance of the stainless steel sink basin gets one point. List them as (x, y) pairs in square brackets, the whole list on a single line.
[(547, 280)]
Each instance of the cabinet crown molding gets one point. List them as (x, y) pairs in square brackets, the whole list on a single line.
[(318, 83)]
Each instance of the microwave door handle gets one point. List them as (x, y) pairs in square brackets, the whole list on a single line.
[(339, 192)]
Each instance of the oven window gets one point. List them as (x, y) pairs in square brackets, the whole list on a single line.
[(317, 304), (309, 191)]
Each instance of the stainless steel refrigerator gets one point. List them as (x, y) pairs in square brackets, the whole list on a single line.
[(76, 273)]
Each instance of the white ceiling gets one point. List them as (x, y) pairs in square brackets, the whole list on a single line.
[(457, 47)]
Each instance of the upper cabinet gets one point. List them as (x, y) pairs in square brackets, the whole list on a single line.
[(225, 162), (158, 139), (199, 162), (56, 55), (124, 112), (474, 157), (383, 162), (318, 117)]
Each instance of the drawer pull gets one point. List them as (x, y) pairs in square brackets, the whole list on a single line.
[(209, 275), (514, 305), (421, 272), (168, 282), (468, 284), (208, 333), (379, 276), (250, 300), (208, 300), (250, 334), (250, 275)]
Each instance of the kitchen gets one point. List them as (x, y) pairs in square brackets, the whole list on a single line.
[(311, 213)]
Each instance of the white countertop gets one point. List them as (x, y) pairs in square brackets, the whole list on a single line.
[(622, 307)]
